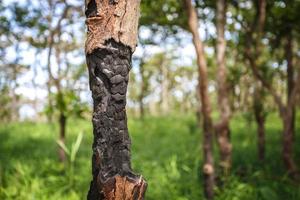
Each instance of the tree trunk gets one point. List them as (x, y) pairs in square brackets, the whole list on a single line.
[(288, 146), (208, 167), (112, 34), (142, 94), (286, 111), (290, 76), (165, 89), (223, 131), (62, 136), (260, 121)]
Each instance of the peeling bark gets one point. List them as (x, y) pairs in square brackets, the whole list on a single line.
[(111, 19), (109, 62)]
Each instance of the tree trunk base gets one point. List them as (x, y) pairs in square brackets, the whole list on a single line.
[(119, 188)]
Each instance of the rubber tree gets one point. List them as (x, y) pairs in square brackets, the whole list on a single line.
[(111, 39), (260, 118), (286, 109), (222, 127), (208, 166)]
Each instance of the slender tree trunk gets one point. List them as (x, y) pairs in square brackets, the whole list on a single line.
[(62, 135), (290, 76), (260, 121), (142, 94), (288, 146), (208, 167), (285, 110), (165, 89), (112, 34), (222, 128), (50, 79)]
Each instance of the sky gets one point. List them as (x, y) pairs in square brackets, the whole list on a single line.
[(37, 62)]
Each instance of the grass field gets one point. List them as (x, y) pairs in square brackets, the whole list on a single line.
[(167, 150)]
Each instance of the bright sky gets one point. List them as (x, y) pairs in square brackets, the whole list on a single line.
[(186, 55)]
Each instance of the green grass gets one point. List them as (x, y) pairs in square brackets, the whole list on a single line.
[(166, 150)]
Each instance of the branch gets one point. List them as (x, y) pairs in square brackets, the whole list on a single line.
[(259, 22)]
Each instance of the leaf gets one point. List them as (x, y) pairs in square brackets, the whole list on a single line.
[(75, 146), (63, 146), (268, 193)]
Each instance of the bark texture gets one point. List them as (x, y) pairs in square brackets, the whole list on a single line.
[(208, 167), (112, 19), (109, 62), (222, 128)]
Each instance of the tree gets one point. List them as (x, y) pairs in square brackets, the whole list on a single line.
[(111, 40), (222, 127), (208, 167), (253, 51), (260, 118)]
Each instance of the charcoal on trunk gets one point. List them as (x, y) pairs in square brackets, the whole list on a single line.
[(109, 48)]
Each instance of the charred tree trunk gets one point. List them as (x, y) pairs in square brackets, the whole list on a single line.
[(112, 34), (62, 135), (208, 167), (222, 128), (260, 121)]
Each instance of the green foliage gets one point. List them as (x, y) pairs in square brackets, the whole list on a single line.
[(169, 14), (68, 103), (5, 100), (167, 150), (71, 153)]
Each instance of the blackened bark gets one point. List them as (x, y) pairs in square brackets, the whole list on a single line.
[(112, 174), (111, 40), (62, 135)]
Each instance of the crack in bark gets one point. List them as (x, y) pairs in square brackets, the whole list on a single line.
[(120, 31)]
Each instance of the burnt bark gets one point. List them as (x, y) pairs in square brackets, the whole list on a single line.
[(112, 174), (208, 166), (109, 63), (222, 128)]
